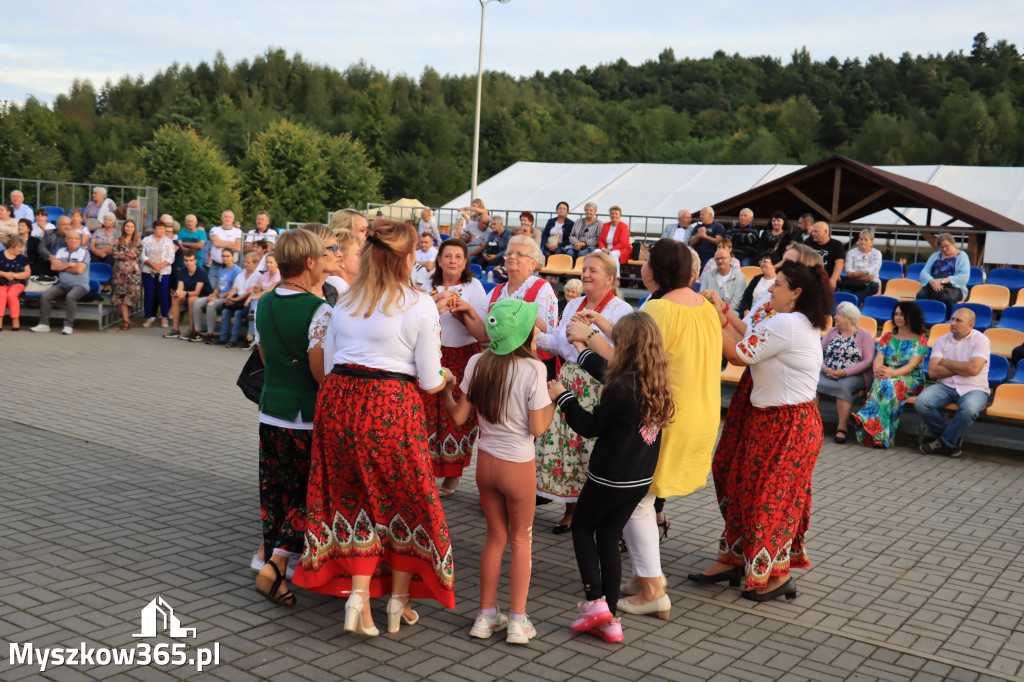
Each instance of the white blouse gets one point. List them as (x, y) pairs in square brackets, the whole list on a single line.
[(547, 299), (407, 341), (556, 342), (159, 252), (453, 333), (785, 356)]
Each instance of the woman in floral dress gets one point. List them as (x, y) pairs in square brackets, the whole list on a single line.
[(899, 374), (127, 276)]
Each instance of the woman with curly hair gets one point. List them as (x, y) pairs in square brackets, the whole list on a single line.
[(899, 373)]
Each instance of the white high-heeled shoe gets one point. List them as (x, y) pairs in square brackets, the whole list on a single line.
[(354, 615), (396, 613)]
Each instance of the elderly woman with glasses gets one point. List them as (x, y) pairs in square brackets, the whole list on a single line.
[(846, 371)]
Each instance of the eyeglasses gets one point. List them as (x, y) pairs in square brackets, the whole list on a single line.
[(517, 255), (333, 249)]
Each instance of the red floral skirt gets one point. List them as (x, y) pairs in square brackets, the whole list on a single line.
[(372, 503), (451, 446), (762, 472)]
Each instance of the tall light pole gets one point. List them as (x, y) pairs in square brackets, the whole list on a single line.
[(479, 90)]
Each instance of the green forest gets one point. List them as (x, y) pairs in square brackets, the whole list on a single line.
[(299, 139)]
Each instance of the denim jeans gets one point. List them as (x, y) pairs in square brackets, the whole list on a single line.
[(231, 322), (937, 396), (574, 254), (213, 274)]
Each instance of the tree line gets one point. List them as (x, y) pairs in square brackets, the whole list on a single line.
[(300, 139)]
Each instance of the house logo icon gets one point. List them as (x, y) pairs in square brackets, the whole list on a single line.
[(158, 616)]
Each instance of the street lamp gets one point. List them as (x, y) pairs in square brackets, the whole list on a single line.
[(479, 90)]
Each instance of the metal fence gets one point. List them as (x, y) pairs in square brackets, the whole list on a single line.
[(71, 195)]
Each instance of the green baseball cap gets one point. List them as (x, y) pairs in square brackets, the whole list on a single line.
[(508, 323)]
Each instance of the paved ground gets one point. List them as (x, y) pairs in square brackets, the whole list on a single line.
[(128, 470)]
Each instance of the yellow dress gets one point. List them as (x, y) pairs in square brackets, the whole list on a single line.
[(693, 341)]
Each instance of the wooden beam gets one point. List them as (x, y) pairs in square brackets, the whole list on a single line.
[(948, 222), (810, 202), (835, 193), (908, 220), (874, 196), (975, 248)]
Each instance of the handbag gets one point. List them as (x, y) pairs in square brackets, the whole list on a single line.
[(645, 251), (250, 379), (37, 284)]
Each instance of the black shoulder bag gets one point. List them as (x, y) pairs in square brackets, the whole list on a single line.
[(250, 379)]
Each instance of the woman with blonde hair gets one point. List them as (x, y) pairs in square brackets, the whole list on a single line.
[(562, 455), (375, 522)]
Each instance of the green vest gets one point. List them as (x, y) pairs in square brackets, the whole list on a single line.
[(288, 386)]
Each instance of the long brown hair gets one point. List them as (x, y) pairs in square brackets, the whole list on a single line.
[(136, 240), (383, 277), (437, 279), (640, 352), (488, 391)]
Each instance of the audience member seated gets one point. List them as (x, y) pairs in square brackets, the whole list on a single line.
[(31, 244), (193, 283), (614, 239), (71, 263), (526, 226), (832, 252), (223, 236), (734, 261), (8, 224), (707, 236), (98, 208), (14, 272), (157, 262), (495, 244), (775, 238), (476, 234), (52, 242), (727, 281), (945, 274), (744, 238), (206, 309), (42, 224), (19, 209), (236, 306), (126, 280), (849, 354), (79, 226), (270, 279), (192, 238), (261, 248), (573, 289), (429, 225), (759, 286), (102, 245), (263, 231), (898, 375), (584, 233), (555, 236), (682, 229), (862, 266), (426, 255), (959, 362)]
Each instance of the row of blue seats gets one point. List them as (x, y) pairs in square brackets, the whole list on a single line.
[(1011, 278), (880, 308), (998, 370)]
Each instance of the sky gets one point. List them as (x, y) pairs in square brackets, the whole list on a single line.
[(48, 43)]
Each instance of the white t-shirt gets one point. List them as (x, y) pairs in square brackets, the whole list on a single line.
[(428, 255), (243, 282), (317, 329), (785, 356), (761, 289), (226, 235), (511, 440), (270, 236), (408, 341), (453, 333), (420, 277)]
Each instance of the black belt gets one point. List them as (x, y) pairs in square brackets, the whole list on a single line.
[(359, 373)]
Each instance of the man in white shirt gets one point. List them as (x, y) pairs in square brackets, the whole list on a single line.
[(426, 255), (727, 281), (21, 209), (682, 230), (263, 231), (224, 236)]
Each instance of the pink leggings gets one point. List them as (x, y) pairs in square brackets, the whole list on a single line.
[(508, 495), (9, 297)]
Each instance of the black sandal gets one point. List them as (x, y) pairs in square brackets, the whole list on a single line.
[(840, 438), (286, 599), (663, 530)]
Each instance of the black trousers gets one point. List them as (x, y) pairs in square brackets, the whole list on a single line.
[(601, 514)]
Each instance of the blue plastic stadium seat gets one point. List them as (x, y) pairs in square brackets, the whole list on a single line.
[(1011, 278), (880, 308), (934, 311), (845, 296), (477, 270), (488, 286), (998, 370), (983, 315), (890, 270), (53, 212), (1012, 318), (445, 237), (1018, 374), (914, 270), (977, 277)]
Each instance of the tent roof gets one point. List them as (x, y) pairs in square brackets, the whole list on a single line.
[(662, 189)]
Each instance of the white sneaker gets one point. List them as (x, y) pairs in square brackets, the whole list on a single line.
[(67, 331), (484, 627), (520, 632), (41, 328), (149, 321)]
